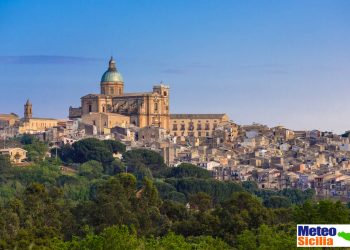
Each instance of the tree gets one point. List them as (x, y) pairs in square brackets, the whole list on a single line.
[(243, 211), (91, 149), (5, 163), (276, 201), (189, 170), (168, 192), (324, 212), (91, 169), (115, 146), (219, 190), (66, 153), (27, 139), (36, 151), (115, 167), (137, 158), (110, 204), (174, 211), (112, 238), (250, 186), (265, 237), (200, 201)]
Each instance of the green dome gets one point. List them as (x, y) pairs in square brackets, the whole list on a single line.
[(112, 74)]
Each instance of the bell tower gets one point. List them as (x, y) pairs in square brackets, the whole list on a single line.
[(28, 112)]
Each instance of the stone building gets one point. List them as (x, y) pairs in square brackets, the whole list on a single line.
[(196, 125), (144, 109), (17, 155), (30, 125), (152, 134), (105, 121), (8, 120)]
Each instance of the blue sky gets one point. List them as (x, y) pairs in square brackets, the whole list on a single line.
[(272, 62)]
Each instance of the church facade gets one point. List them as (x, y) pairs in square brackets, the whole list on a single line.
[(142, 109), (113, 107), (32, 125)]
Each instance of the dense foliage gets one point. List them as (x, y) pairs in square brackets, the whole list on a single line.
[(139, 203), (91, 149)]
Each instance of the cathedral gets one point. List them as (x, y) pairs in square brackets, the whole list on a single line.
[(112, 107), (141, 109)]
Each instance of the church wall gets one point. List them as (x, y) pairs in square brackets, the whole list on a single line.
[(103, 104), (95, 103), (145, 109), (89, 105), (37, 125)]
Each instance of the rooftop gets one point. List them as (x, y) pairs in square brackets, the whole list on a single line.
[(197, 116)]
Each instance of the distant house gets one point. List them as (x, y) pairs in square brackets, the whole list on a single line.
[(17, 155), (210, 165)]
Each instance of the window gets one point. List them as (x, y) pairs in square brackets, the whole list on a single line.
[(215, 125), (111, 90), (199, 134), (175, 134), (182, 126), (103, 109), (155, 106), (165, 93), (199, 126), (90, 108), (207, 134), (191, 126), (94, 122), (207, 126), (175, 127)]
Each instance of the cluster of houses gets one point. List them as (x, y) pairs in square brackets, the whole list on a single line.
[(275, 158)]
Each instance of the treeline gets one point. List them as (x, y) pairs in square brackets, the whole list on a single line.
[(139, 203)]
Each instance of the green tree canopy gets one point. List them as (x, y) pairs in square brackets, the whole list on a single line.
[(189, 170), (138, 158), (91, 169)]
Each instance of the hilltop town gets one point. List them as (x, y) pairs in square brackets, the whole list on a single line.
[(275, 158)]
